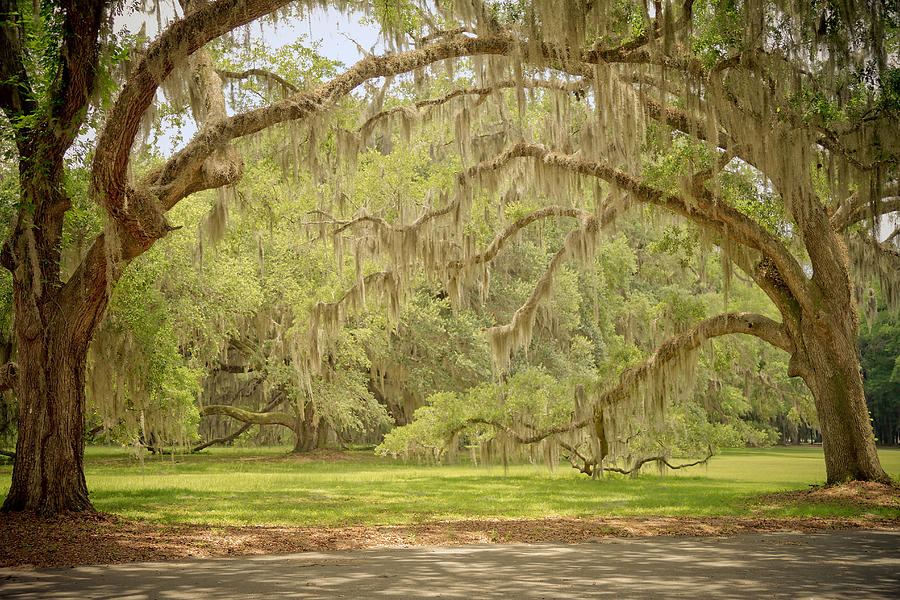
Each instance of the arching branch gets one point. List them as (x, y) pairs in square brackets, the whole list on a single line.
[(178, 41), (177, 178), (242, 429), (857, 211), (562, 86), (726, 324), (534, 438), (513, 228), (505, 339), (263, 74), (246, 416), (705, 210), (588, 466)]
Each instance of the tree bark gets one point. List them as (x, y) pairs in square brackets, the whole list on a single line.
[(306, 430), (832, 374), (48, 475)]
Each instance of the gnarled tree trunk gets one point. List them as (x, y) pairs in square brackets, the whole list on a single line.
[(54, 325), (48, 476), (833, 376)]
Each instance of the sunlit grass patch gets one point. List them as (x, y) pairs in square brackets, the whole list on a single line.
[(266, 487)]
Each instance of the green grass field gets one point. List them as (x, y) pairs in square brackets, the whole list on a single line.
[(263, 487)]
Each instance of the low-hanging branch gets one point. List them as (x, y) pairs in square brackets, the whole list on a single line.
[(588, 466), (726, 324), (247, 425), (246, 416), (535, 437)]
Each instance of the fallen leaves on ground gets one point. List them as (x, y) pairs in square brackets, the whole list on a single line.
[(867, 494), (27, 541)]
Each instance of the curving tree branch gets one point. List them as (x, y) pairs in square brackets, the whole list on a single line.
[(253, 418), (138, 217), (589, 467), (240, 430), (505, 339), (705, 210), (726, 324), (513, 228), (482, 92), (269, 76)]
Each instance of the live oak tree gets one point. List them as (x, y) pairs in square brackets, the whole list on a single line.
[(800, 94)]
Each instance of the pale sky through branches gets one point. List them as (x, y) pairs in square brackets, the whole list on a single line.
[(329, 27)]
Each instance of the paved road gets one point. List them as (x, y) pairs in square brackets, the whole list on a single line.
[(844, 564)]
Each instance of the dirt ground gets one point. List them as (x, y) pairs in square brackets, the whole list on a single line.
[(28, 542)]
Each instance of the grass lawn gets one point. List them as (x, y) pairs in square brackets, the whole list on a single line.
[(261, 486)]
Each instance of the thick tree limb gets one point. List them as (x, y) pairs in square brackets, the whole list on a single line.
[(8, 376), (76, 79), (16, 96), (177, 178), (243, 428), (181, 39), (253, 418), (726, 324), (705, 210)]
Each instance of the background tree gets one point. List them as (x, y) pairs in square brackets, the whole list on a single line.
[(879, 347)]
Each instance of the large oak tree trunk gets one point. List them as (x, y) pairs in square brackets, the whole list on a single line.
[(48, 476), (833, 377), (55, 322)]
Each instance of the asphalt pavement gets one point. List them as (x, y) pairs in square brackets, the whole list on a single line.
[(839, 564)]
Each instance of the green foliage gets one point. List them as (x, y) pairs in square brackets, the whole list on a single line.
[(879, 347), (529, 396)]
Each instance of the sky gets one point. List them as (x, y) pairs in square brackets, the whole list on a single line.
[(328, 26)]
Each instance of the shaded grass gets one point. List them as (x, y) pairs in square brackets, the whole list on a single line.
[(262, 486)]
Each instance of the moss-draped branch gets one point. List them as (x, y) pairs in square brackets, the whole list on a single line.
[(246, 416)]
